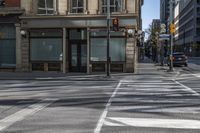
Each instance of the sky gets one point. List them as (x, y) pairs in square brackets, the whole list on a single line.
[(150, 10)]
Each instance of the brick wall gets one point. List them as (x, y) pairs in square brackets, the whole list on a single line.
[(12, 3)]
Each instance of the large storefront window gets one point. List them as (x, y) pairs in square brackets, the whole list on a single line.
[(99, 47), (46, 45), (7, 45), (47, 49)]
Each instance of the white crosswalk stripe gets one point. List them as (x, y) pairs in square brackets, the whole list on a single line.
[(154, 96), (149, 122)]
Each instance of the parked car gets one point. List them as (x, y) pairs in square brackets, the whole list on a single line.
[(179, 59)]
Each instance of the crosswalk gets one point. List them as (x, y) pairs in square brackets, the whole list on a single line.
[(154, 104)]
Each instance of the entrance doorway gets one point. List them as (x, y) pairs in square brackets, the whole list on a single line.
[(78, 56), (77, 50)]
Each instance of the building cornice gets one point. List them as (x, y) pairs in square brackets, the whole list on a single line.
[(132, 15), (11, 11)]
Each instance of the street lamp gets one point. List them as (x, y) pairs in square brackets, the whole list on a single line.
[(108, 38)]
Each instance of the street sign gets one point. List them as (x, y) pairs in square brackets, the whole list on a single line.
[(164, 37), (163, 28)]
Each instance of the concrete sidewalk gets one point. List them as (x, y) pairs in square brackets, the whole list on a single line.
[(59, 76), (144, 66), (149, 67)]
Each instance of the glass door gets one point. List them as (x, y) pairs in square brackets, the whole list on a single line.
[(78, 57), (74, 55)]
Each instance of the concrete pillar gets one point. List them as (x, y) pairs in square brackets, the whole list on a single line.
[(135, 57), (64, 50), (18, 48), (25, 51), (130, 55)]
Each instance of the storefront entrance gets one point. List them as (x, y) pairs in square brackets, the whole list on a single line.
[(78, 56), (77, 50)]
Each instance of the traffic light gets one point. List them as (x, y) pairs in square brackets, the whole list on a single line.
[(115, 23), (172, 28)]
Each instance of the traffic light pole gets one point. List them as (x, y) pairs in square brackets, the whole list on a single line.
[(108, 38), (171, 45)]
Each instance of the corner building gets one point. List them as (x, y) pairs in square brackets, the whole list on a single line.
[(71, 35), (9, 25)]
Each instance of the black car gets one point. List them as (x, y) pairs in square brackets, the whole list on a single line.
[(179, 59)]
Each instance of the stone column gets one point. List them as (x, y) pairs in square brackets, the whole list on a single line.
[(25, 52), (18, 48), (130, 55)]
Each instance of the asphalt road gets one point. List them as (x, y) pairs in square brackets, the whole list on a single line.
[(152, 101)]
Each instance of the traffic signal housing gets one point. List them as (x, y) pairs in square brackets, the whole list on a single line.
[(115, 23), (2, 3), (172, 28)]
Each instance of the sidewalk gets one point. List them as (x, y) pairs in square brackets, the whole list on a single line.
[(149, 67), (146, 66), (157, 68), (60, 76)]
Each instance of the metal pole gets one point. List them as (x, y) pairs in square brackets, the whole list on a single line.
[(108, 38), (171, 46), (88, 50), (64, 50)]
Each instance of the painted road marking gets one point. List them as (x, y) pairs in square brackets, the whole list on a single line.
[(153, 123), (158, 109), (22, 114), (144, 81), (104, 114), (188, 89)]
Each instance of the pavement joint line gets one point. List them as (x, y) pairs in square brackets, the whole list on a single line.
[(187, 88), (105, 112), (22, 114)]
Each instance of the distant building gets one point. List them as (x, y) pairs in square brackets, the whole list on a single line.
[(187, 21), (156, 25), (164, 11)]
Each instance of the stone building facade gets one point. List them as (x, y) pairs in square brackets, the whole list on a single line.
[(10, 11), (70, 35)]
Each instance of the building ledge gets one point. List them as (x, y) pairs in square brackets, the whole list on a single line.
[(133, 15), (11, 10)]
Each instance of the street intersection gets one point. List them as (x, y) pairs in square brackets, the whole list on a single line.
[(151, 101)]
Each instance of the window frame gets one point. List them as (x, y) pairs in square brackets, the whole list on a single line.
[(46, 8), (77, 7), (70, 8), (103, 7)]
